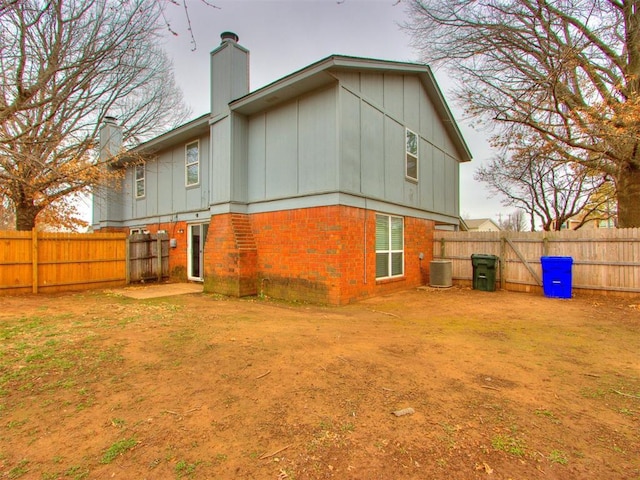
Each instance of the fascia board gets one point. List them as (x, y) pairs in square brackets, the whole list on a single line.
[(183, 133), (310, 78), (449, 122)]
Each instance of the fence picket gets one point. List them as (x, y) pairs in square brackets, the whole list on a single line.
[(605, 261), (53, 262), (148, 256)]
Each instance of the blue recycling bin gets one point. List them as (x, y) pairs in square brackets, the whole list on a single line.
[(556, 276)]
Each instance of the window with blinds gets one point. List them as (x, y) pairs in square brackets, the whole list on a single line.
[(389, 246)]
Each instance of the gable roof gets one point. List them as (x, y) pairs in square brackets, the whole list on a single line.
[(318, 74), (309, 78)]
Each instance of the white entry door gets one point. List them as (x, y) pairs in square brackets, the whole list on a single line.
[(197, 240)]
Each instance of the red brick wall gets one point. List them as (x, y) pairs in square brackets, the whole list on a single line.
[(315, 255), (418, 238), (299, 253), (229, 270), (318, 254)]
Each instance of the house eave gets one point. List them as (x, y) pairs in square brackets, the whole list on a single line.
[(314, 76), (298, 83), (182, 134), (310, 78), (319, 74), (448, 121)]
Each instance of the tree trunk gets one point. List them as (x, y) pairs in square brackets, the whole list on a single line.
[(628, 185), (26, 214)]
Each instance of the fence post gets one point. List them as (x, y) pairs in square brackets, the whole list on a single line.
[(127, 260), (159, 259), (34, 260), (503, 263)]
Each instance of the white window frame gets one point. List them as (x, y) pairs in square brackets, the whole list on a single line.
[(390, 250), (140, 180), (409, 154), (188, 164)]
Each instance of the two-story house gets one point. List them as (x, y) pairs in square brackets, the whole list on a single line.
[(322, 186)]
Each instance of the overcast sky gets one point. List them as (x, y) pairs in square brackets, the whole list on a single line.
[(286, 35)]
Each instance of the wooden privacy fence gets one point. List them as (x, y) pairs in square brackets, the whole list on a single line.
[(53, 262), (604, 260)]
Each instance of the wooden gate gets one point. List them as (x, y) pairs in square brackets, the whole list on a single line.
[(147, 257)]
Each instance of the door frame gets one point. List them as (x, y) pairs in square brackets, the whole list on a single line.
[(202, 230)]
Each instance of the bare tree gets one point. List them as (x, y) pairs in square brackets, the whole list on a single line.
[(549, 191), (183, 5), (568, 71), (514, 221), (64, 66), (7, 217)]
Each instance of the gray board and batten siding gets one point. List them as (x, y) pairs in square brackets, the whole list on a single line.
[(165, 187), (375, 108), (335, 133), (332, 133), (337, 139)]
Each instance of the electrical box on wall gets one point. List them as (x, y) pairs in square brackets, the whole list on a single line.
[(173, 243)]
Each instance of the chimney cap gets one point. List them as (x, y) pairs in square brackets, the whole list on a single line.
[(229, 36), (110, 119)]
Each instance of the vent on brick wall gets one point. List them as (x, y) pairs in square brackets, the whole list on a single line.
[(242, 232), (440, 273)]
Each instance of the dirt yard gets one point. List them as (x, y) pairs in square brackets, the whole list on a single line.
[(501, 386)]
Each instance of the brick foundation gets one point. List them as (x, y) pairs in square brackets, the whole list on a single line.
[(319, 255), (230, 256)]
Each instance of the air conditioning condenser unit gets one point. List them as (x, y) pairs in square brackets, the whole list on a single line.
[(440, 273)]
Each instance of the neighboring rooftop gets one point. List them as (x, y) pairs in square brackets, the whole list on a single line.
[(481, 225)]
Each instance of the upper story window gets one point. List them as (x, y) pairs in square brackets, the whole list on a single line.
[(389, 246), (139, 180), (411, 158), (192, 164)]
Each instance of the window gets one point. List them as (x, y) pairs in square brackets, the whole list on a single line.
[(411, 163), (139, 180), (192, 164), (389, 246)]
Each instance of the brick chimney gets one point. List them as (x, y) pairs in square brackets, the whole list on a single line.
[(229, 73)]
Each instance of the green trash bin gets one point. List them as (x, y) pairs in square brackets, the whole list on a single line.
[(484, 271)]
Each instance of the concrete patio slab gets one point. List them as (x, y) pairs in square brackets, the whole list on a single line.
[(142, 292)]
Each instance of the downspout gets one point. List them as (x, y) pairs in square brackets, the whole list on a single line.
[(365, 241)]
